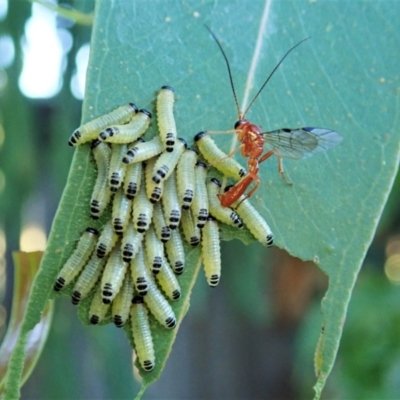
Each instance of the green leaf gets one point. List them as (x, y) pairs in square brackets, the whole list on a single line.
[(345, 78)]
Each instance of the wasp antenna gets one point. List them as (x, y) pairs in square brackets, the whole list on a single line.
[(229, 69), (273, 71)]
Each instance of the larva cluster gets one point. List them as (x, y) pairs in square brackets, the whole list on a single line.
[(154, 190)]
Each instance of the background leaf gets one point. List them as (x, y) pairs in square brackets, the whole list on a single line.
[(26, 266), (345, 78)]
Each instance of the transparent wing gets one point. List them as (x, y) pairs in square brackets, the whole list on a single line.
[(301, 142)]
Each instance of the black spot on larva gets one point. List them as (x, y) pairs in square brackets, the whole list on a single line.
[(270, 240), (94, 319)]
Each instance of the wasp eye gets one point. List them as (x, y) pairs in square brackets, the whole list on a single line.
[(239, 122)]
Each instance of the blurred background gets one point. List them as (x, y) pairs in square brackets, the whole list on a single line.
[(253, 338)]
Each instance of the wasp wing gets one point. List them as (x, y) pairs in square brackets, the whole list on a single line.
[(301, 142)]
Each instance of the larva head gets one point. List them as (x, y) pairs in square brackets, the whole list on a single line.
[(148, 365), (118, 321), (216, 182), (76, 297), (199, 136), (183, 142), (94, 143), (211, 218), (137, 300), (145, 112), (166, 87), (192, 149), (201, 164), (170, 322), (134, 107), (73, 140), (60, 282), (176, 294), (92, 231)]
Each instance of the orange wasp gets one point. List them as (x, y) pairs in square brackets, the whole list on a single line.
[(291, 143)]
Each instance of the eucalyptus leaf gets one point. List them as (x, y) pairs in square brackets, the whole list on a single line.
[(344, 78)]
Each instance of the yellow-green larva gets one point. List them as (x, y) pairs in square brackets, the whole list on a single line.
[(131, 242), (98, 309), (253, 220), (142, 334), (101, 195), (154, 249), (168, 281), (129, 132), (167, 161), (190, 229), (132, 179), (113, 274), (220, 160), (142, 209), (117, 168), (158, 305), (161, 228), (171, 207), (78, 259), (121, 211), (165, 117), (154, 190), (91, 129), (223, 214), (175, 252), (88, 278), (140, 273), (107, 239), (185, 177), (199, 205), (211, 251), (122, 303), (143, 151)]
